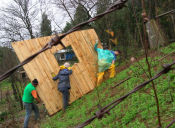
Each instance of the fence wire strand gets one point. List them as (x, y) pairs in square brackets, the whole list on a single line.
[(171, 124), (100, 114)]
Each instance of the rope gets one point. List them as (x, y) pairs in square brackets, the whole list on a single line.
[(57, 39)]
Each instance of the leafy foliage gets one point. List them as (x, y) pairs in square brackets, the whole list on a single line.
[(168, 49)]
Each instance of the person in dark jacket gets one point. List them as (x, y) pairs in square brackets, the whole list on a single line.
[(64, 83)]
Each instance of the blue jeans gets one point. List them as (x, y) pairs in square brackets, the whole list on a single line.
[(66, 96), (29, 107)]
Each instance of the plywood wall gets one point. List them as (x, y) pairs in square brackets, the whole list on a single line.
[(43, 66)]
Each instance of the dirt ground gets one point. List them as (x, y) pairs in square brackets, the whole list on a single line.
[(18, 122)]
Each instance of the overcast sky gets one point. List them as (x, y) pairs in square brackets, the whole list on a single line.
[(56, 15), (3, 3), (60, 17)]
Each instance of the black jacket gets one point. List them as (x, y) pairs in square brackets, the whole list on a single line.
[(64, 82)]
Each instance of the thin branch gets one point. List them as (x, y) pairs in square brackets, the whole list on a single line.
[(122, 82)]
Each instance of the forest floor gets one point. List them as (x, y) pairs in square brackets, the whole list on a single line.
[(137, 111)]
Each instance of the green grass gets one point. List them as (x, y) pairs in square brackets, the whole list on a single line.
[(170, 48), (5, 85), (137, 111)]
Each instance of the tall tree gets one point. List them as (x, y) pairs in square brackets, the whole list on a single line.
[(103, 24), (65, 5), (46, 29), (67, 27), (81, 14), (69, 8)]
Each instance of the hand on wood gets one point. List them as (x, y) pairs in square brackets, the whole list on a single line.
[(38, 100)]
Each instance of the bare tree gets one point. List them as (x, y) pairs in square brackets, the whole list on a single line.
[(18, 19), (66, 6), (88, 5), (18, 22), (63, 11), (69, 6)]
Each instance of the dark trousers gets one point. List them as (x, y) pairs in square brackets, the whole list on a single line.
[(29, 107), (66, 96)]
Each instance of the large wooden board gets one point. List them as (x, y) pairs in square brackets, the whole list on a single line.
[(83, 79)]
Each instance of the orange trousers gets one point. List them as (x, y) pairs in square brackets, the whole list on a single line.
[(110, 73)]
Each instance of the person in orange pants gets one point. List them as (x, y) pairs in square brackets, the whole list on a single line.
[(110, 74), (108, 68)]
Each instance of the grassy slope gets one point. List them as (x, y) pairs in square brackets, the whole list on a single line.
[(137, 111)]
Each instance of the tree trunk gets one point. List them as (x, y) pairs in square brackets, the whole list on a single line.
[(172, 17)]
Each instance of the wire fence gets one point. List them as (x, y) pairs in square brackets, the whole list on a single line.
[(105, 110)]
